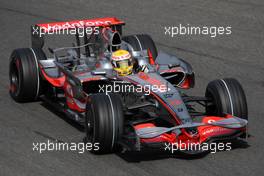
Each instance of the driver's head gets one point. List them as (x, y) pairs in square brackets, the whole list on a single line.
[(122, 62)]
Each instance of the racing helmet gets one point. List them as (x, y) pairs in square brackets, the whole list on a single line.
[(122, 62)]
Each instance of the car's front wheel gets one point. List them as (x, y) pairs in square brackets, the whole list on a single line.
[(227, 97), (104, 122)]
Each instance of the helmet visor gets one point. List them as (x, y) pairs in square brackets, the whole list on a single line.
[(123, 64)]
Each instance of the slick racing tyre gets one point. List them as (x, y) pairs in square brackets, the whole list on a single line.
[(141, 42), (103, 122), (227, 97), (25, 80)]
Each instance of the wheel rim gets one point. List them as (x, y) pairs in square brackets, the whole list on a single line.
[(90, 125), (14, 79)]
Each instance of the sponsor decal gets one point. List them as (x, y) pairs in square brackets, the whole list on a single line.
[(175, 102), (78, 24)]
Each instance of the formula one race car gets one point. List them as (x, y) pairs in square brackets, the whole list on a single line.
[(124, 91)]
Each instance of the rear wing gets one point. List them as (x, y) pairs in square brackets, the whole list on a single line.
[(39, 30)]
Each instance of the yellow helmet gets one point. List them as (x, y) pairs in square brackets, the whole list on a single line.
[(122, 62)]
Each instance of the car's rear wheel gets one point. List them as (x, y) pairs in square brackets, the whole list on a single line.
[(141, 42), (25, 80), (227, 97), (104, 122)]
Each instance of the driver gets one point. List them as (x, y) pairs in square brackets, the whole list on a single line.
[(122, 62)]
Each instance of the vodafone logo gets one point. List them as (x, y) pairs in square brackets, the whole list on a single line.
[(208, 131), (75, 24), (215, 131), (210, 121), (80, 24)]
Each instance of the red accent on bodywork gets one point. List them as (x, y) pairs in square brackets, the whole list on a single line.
[(211, 131), (205, 133), (69, 98), (175, 102), (151, 60), (144, 125), (97, 65), (73, 106), (186, 83), (170, 138), (46, 27), (143, 75), (162, 138), (154, 81), (56, 82), (228, 116)]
